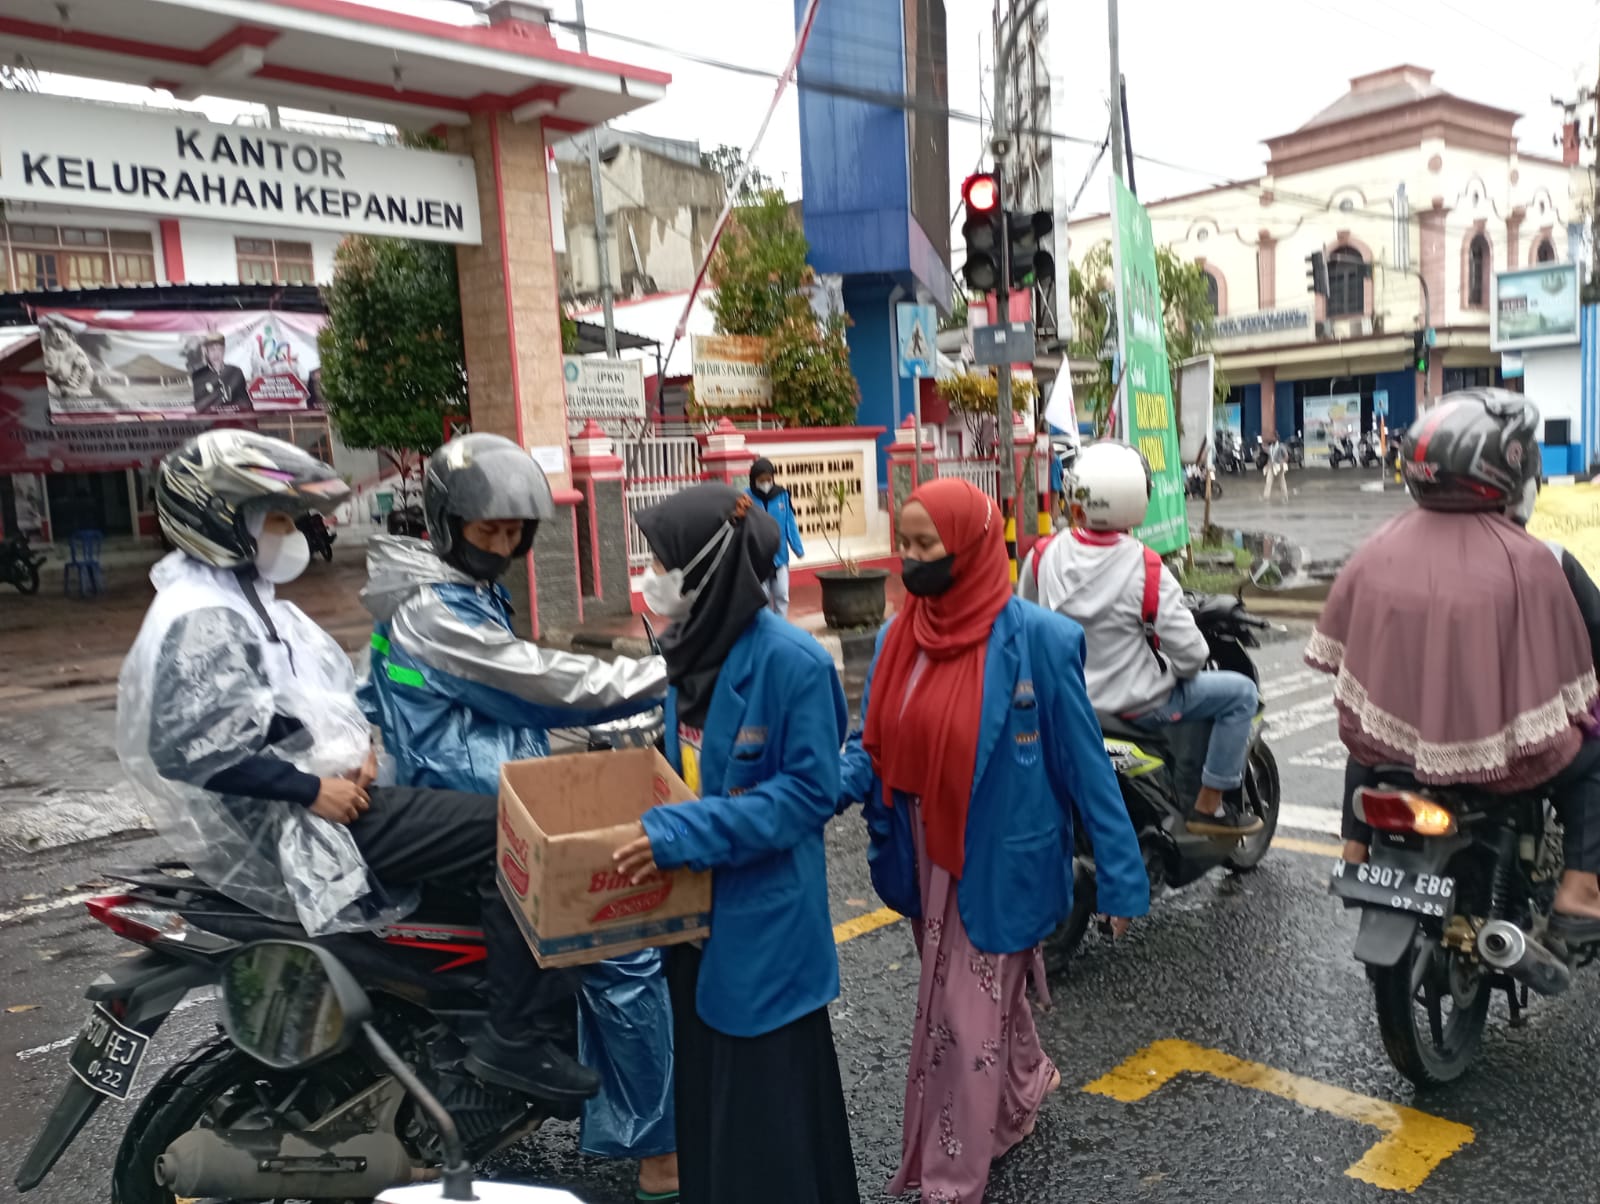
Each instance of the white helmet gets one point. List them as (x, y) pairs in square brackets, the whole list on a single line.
[(1110, 488)]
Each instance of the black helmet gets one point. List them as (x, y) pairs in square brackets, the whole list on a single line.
[(1472, 451), (207, 488), (477, 477)]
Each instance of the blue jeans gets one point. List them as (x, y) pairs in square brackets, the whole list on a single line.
[(1229, 700)]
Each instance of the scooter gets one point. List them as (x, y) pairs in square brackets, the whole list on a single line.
[(1228, 458), (19, 563), (317, 534), (1370, 458), (1159, 773), (1342, 451), (1297, 451), (1194, 482)]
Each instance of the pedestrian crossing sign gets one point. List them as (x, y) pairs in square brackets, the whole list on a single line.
[(918, 330)]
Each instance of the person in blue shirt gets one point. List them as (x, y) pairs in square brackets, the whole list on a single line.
[(978, 750), (755, 719), (456, 694), (775, 500)]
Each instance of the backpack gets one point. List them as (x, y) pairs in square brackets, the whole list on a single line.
[(1149, 604)]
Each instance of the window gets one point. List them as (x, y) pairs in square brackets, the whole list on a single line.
[(42, 257), (1478, 272), (1545, 252), (268, 261), (1213, 292), (1347, 283)]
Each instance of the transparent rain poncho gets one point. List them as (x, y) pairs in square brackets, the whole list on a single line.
[(203, 689)]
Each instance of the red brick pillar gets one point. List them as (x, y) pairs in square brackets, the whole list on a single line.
[(726, 458), (1269, 404), (1432, 263), (597, 475)]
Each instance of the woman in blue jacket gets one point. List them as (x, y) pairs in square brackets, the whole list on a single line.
[(979, 746), (755, 718), (775, 500)]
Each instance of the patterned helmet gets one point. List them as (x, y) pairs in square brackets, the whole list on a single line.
[(1472, 451), (1110, 487), (206, 490)]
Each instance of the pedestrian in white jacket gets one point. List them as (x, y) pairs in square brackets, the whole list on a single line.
[(1146, 656)]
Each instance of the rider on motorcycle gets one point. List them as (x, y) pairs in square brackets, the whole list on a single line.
[(1151, 674), (238, 723), (1460, 650), (456, 694)]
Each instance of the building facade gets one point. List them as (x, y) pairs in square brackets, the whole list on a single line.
[(1416, 198)]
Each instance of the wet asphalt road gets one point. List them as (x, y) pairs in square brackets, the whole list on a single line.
[(1256, 969)]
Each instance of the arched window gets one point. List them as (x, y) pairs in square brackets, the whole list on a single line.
[(1478, 268), (1213, 292), (1347, 293), (1545, 252)]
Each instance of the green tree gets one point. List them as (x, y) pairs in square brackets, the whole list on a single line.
[(812, 384), (729, 161), (393, 360), (1186, 309)]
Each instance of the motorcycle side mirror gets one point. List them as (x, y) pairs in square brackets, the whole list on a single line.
[(291, 1004)]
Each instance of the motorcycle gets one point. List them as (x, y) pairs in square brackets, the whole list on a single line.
[(218, 1123), (1297, 451), (1392, 460), (1194, 481), (315, 529), (1342, 451), (1228, 458), (1159, 774), (19, 563), (1455, 902), (1370, 457), (1259, 454)]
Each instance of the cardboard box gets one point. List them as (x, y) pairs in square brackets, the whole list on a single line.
[(561, 819)]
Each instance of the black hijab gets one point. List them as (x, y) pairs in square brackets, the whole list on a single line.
[(763, 468), (732, 594)]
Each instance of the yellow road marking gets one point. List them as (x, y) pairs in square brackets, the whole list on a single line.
[(1414, 1143), (869, 922), (1291, 844)]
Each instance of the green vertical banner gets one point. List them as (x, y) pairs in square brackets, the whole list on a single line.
[(1144, 401)]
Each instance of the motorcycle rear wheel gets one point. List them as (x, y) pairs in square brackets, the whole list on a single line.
[(217, 1086), (1426, 1043), (25, 577)]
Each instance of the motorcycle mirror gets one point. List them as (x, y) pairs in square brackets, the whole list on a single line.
[(290, 1005)]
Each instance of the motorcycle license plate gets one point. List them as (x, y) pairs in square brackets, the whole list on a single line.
[(107, 1055), (1423, 894)]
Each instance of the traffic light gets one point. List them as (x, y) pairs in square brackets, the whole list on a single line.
[(1030, 264), (1317, 273), (1419, 351), (981, 195)]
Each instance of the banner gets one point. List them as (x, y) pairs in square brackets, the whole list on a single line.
[(1535, 307), (1327, 419), (106, 364), (1145, 398), (30, 442), (1570, 516), (730, 372)]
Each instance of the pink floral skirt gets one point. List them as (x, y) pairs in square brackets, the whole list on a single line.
[(977, 1073)]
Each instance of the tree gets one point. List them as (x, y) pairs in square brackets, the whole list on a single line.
[(729, 161), (393, 359), (976, 397), (812, 384), (1186, 310)]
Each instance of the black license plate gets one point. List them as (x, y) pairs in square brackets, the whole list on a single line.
[(107, 1055), (1423, 894)]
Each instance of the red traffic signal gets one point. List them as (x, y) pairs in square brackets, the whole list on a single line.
[(981, 193)]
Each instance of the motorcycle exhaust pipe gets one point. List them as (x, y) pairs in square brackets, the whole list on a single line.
[(1505, 947), (269, 1163)]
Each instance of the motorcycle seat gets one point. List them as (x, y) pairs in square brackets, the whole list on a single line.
[(1153, 742)]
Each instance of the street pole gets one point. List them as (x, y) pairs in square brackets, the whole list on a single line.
[(601, 235), (1006, 453), (1116, 91)]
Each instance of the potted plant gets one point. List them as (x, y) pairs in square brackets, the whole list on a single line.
[(852, 597)]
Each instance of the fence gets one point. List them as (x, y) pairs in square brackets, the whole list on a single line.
[(982, 472), (655, 467)]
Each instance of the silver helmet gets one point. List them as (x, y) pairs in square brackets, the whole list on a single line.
[(478, 477)]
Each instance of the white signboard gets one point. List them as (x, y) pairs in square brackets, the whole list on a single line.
[(730, 372), (1196, 379), (70, 152), (602, 388), (1535, 307)]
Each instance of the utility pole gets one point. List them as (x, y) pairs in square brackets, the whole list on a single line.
[(1117, 164), (601, 235), (1004, 417)]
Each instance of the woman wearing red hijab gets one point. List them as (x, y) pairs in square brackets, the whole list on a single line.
[(979, 744)]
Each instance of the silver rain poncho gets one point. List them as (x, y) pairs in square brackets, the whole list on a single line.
[(203, 689)]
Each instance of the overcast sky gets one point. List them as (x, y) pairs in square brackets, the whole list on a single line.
[(1207, 81)]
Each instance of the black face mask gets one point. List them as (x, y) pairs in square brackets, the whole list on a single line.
[(478, 564), (927, 578)]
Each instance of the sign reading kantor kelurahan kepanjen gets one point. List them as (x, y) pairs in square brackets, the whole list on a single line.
[(69, 152)]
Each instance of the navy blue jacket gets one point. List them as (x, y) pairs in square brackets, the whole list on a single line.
[(780, 505), (769, 783), (1040, 762)]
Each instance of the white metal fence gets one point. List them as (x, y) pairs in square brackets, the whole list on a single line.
[(655, 467), (984, 473)]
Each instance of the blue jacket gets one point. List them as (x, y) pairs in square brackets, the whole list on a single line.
[(453, 689), (769, 782), (1040, 762), (781, 506)]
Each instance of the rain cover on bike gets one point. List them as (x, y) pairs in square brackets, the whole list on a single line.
[(207, 686)]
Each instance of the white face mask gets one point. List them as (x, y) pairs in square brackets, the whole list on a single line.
[(664, 593), (281, 558)]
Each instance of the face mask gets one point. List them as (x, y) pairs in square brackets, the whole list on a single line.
[(664, 593), (927, 578), (764, 489), (479, 564), (281, 558)]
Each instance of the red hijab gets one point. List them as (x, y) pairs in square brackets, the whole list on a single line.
[(927, 745)]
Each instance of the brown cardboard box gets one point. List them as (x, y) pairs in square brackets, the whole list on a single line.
[(561, 818)]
